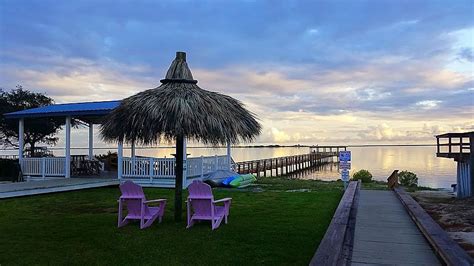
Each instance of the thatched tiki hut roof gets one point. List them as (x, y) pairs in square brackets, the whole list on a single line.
[(179, 109)]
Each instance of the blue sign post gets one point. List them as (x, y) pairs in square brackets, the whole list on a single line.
[(345, 166)]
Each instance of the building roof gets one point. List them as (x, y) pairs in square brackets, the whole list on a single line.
[(453, 135), (67, 109)]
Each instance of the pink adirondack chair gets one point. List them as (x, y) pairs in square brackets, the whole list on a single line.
[(202, 206), (137, 206)]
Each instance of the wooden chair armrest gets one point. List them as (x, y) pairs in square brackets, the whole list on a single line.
[(222, 200), (156, 200)]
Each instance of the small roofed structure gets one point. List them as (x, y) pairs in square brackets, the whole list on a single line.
[(460, 147), (178, 110), (56, 167)]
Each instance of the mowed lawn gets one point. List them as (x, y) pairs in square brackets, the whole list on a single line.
[(269, 227)]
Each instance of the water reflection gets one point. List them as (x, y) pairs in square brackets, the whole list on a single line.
[(327, 172), (380, 161)]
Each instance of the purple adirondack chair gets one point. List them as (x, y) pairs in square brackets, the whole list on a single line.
[(137, 206), (202, 206)]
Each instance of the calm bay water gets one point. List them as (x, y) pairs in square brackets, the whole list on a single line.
[(379, 160)]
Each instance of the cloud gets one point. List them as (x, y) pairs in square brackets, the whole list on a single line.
[(428, 104), (72, 79), (313, 72)]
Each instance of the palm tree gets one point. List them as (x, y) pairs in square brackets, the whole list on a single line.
[(177, 110)]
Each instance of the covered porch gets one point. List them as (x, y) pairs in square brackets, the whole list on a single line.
[(148, 171)]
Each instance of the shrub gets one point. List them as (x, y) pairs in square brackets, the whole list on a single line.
[(9, 170), (364, 175), (408, 179)]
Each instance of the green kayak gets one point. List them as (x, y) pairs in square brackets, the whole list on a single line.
[(243, 180)]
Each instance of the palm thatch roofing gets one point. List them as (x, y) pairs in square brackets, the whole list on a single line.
[(179, 107)]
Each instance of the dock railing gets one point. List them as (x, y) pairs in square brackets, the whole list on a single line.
[(44, 167), (149, 170), (288, 164), (336, 246), (454, 145)]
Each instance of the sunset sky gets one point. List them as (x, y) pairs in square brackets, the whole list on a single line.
[(314, 72)]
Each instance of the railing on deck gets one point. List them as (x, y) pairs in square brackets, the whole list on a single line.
[(44, 167), (164, 168), (143, 167), (199, 166), (454, 145), (285, 165)]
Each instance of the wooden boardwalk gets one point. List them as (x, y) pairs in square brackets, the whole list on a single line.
[(279, 166), (385, 234)]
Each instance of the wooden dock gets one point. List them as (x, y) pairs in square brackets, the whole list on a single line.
[(318, 155), (336, 246), (460, 147), (385, 233)]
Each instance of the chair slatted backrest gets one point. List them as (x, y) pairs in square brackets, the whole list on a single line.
[(131, 190), (201, 198), (133, 195)]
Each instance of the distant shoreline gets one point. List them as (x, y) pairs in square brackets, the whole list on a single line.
[(246, 146)]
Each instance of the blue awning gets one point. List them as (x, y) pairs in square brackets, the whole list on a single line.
[(67, 109)]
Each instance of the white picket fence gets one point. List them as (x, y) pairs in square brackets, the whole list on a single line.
[(161, 171), (139, 167), (143, 170), (44, 167), (199, 166)]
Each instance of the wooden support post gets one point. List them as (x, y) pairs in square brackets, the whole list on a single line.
[(271, 167), (150, 172), (437, 144), (43, 167), (229, 156), (449, 147), (276, 166), (91, 141), (281, 165), (286, 165), (185, 163), (67, 167), (202, 167), (132, 149), (21, 140), (178, 187), (120, 160), (392, 180), (264, 167), (471, 162), (258, 168)]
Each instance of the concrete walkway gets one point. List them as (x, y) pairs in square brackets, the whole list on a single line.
[(10, 190), (386, 235)]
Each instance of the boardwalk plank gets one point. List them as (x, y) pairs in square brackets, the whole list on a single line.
[(385, 234), (446, 248)]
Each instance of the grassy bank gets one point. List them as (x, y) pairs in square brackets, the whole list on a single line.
[(267, 225)]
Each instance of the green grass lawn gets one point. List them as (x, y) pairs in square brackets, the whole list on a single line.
[(267, 227)]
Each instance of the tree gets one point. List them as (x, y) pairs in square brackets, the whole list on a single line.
[(364, 175), (408, 179), (37, 130)]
